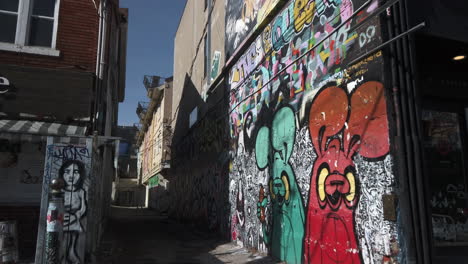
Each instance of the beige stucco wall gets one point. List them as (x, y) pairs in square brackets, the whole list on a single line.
[(167, 130), (189, 49), (152, 147)]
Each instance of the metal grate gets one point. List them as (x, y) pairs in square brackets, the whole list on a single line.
[(151, 81)]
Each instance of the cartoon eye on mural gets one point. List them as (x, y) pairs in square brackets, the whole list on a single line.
[(73, 173), (339, 129), (273, 149)]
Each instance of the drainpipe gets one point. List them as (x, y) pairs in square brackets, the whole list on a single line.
[(100, 56), (94, 229), (409, 158), (414, 103)]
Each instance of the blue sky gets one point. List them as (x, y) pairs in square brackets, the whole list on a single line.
[(150, 50)]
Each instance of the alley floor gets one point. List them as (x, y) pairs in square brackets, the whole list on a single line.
[(141, 236)]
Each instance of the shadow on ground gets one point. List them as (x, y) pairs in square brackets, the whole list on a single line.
[(142, 236)]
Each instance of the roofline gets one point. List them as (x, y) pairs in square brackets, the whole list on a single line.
[(180, 19)]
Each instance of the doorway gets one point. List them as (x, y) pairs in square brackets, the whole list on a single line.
[(443, 86)]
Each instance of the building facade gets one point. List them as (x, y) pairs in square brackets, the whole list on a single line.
[(127, 187), (334, 124), (199, 165), (62, 75), (154, 138), (340, 147)]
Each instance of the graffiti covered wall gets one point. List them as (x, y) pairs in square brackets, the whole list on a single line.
[(310, 141), (199, 192), (242, 17), (72, 163)]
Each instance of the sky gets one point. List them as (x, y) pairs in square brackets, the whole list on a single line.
[(150, 48)]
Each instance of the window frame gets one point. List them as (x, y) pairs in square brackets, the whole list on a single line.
[(23, 29), (193, 117)]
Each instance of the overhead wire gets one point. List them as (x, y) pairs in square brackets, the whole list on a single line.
[(266, 55), (272, 50), (269, 53)]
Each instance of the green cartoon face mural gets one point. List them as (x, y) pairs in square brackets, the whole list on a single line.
[(273, 148)]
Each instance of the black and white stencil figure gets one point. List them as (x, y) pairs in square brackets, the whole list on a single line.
[(73, 173)]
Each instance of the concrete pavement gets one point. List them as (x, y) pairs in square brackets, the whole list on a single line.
[(142, 236)]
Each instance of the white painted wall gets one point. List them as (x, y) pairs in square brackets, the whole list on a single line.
[(15, 186)]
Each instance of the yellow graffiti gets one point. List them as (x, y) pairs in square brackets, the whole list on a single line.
[(286, 187), (303, 14), (267, 39), (264, 10), (235, 76), (271, 190), (248, 11), (352, 186), (360, 68), (321, 183), (353, 37), (324, 55)]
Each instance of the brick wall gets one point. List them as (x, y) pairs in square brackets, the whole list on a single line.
[(77, 39)]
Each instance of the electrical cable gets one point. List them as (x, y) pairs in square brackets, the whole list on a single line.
[(201, 39), (272, 50), (300, 57)]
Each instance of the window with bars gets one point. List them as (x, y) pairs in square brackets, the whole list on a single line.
[(29, 22)]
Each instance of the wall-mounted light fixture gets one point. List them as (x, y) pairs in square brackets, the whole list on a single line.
[(459, 57)]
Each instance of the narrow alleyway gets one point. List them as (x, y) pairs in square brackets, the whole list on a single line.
[(141, 236)]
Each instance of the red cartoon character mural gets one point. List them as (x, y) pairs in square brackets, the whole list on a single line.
[(341, 126)]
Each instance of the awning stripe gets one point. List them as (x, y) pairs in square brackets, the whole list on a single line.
[(40, 128), (7, 123), (44, 128), (71, 130), (18, 125), (81, 130), (26, 126), (53, 128), (35, 127), (62, 130)]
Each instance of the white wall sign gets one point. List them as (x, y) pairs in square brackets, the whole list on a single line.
[(4, 85)]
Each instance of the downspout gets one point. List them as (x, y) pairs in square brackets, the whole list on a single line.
[(414, 103), (96, 81), (408, 147), (94, 230), (100, 55)]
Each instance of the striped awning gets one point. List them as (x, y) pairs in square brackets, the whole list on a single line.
[(12, 128)]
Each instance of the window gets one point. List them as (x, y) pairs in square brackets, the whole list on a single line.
[(29, 26), (8, 18), (193, 117)]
